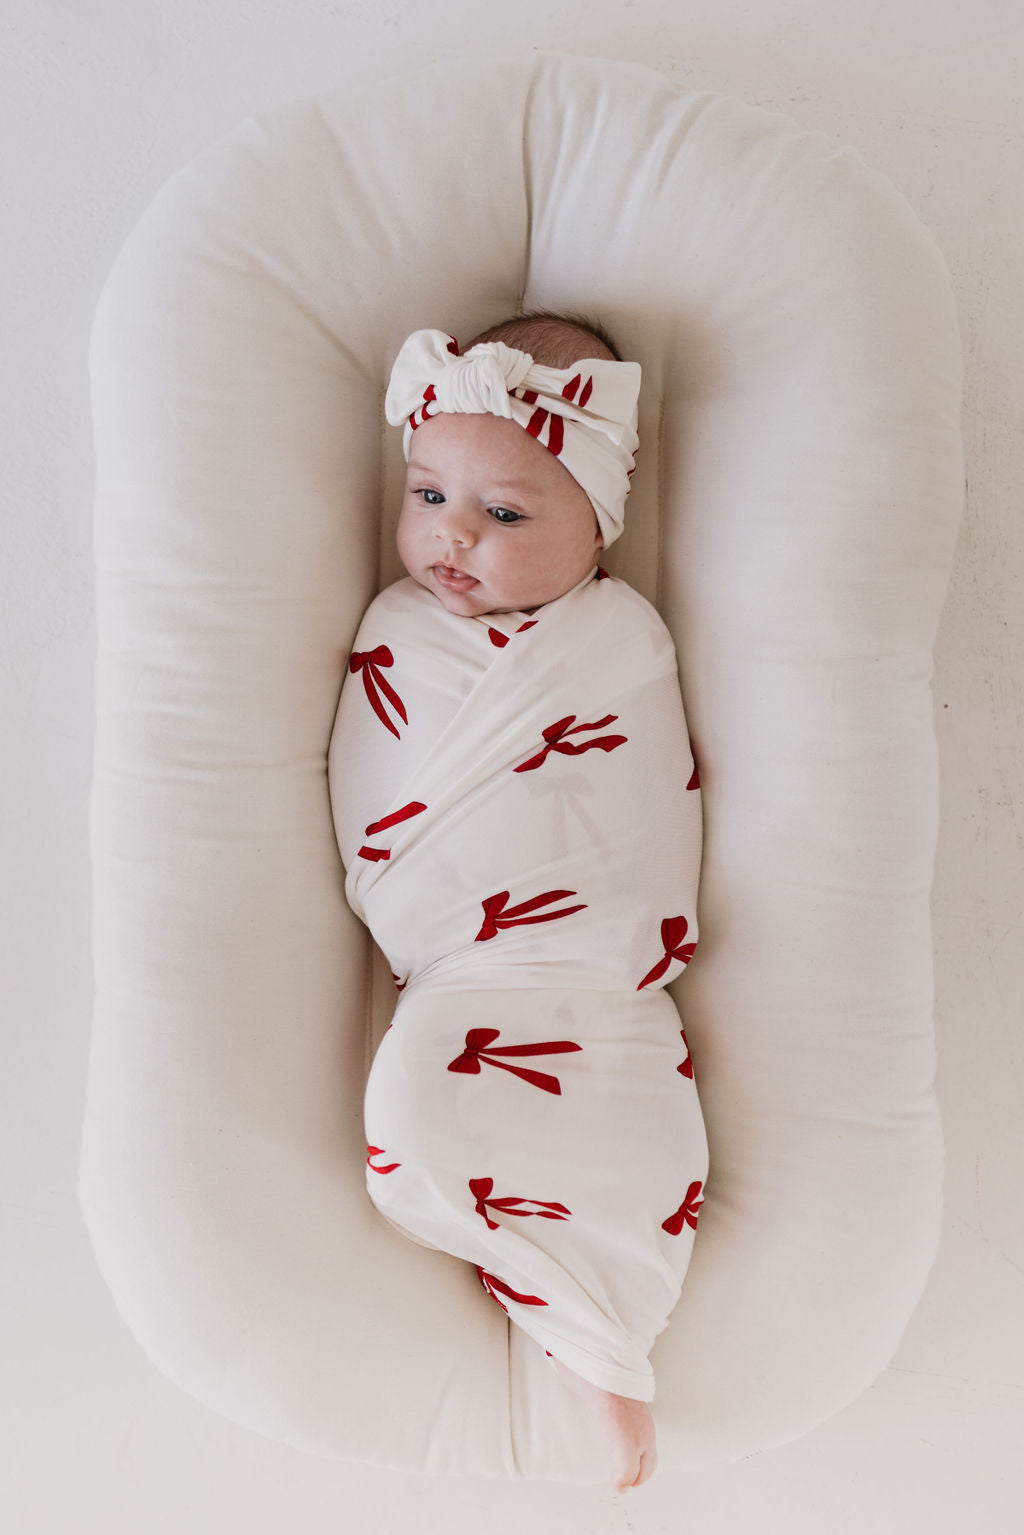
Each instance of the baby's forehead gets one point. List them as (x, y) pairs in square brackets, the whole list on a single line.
[(470, 441), (493, 456)]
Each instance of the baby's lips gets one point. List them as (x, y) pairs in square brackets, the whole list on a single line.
[(448, 575)]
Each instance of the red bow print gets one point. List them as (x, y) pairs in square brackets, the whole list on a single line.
[(501, 640), (516, 916), (481, 1187), (687, 1213), (694, 777), (491, 1284), (535, 425), (376, 854), (555, 735), (378, 1151), (556, 430), (687, 1066), (369, 662), (478, 1049), (429, 396), (673, 931), (569, 392)]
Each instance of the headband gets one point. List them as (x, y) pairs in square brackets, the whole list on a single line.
[(585, 415)]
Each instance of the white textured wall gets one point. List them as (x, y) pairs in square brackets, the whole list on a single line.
[(100, 101)]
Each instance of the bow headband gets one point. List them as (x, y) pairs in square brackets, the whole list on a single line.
[(586, 415)]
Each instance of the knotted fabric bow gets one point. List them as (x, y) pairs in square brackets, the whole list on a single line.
[(586, 414)]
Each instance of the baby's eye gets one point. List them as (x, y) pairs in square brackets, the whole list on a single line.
[(431, 497), (504, 515)]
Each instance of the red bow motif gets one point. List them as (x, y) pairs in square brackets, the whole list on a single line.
[(378, 1151), (687, 1066), (481, 1187), (429, 395), (556, 430), (377, 854), (535, 425), (569, 391), (491, 1284), (687, 1213), (478, 1042), (694, 778), (369, 662), (501, 640), (673, 931), (555, 735), (516, 916)]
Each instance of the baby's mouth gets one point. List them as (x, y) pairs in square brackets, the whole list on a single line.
[(457, 580)]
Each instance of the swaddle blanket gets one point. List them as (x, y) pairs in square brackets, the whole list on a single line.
[(518, 813)]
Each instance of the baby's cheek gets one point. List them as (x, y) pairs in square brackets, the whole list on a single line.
[(405, 539)]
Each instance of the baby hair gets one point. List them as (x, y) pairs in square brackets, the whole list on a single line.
[(554, 340)]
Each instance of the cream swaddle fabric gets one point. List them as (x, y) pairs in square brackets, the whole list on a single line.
[(518, 813)]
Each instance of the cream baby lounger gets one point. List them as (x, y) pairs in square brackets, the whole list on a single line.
[(792, 519)]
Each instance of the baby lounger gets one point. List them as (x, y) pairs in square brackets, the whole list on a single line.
[(792, 517)]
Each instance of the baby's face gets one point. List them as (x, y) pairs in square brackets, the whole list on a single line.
[(491, 522)]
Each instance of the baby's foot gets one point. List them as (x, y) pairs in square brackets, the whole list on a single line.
[(630, 1427)]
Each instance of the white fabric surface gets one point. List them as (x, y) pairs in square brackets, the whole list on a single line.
[(792, 518), (515, 803)]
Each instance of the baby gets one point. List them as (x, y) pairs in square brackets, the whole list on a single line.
[(511, 721)]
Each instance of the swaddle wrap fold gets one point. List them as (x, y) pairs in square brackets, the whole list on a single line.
[(517, 810)]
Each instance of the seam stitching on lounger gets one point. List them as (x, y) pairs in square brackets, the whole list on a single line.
[(531, 91), (659, 494), (384, 511)]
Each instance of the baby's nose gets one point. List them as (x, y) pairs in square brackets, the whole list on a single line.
[(453, 526)]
